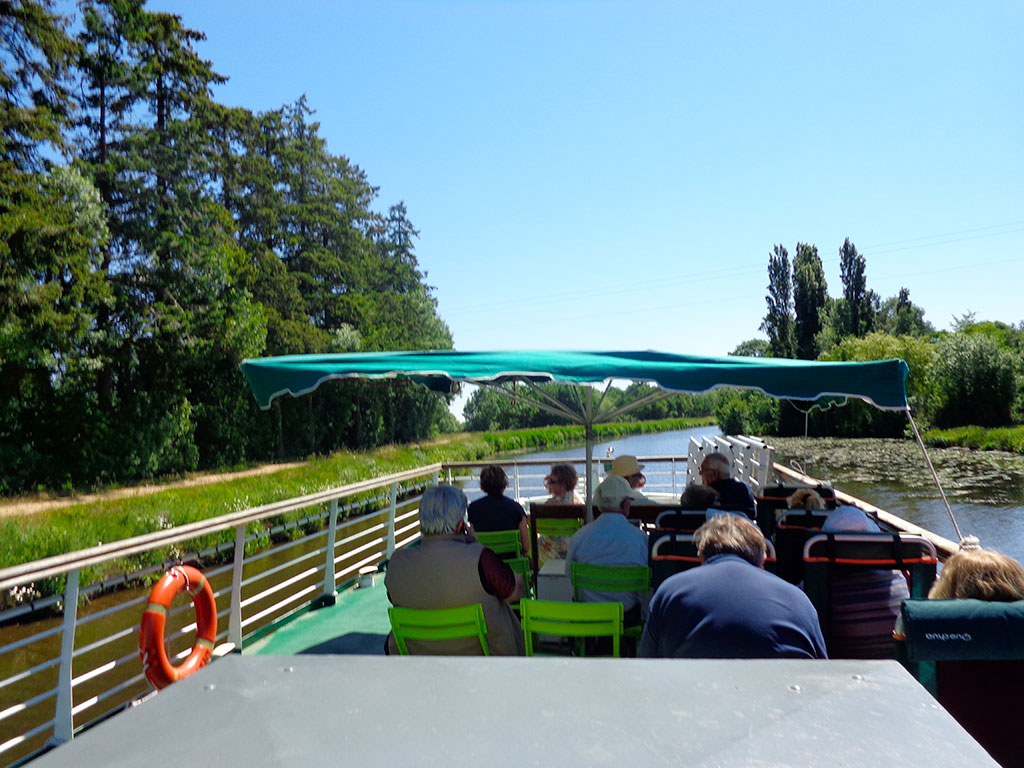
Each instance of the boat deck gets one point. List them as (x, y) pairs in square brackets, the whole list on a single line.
[(357, 624)]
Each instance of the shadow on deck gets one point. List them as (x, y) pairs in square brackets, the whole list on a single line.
[(356, 624)]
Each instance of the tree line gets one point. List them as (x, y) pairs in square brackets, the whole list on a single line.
[(152, 238), (970, 375)]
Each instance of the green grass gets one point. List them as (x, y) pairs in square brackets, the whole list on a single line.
[(77, 526), (979, 438)]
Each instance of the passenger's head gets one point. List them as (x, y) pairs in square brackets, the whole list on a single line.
[(730, 535), (493, 480), (611, 494), (697, 496), (849, 519), (561, 479), (805, 498), (715, 466), (629, 468), (442, 509), (980, 574)]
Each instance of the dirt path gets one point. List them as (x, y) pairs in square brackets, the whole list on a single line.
[(15, 508)]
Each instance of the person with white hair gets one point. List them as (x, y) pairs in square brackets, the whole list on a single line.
[(716, 471), (450, 568), (611, 540)]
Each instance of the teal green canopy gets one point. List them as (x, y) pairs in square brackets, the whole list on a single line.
[(880, 383)]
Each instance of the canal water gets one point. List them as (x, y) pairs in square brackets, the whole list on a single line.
[(985, 488)]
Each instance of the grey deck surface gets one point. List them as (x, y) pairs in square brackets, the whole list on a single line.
[(316, 710)]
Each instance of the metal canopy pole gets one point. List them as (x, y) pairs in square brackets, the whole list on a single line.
[(589, 431)]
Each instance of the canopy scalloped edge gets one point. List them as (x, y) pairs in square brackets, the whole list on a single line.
[(880, 383)]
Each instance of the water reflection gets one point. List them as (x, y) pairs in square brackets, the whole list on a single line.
[(985, 488)]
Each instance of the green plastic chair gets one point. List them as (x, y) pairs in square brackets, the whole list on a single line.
[(521, 565), (611, 578), (578, 620), (503, 543), (438, 624)]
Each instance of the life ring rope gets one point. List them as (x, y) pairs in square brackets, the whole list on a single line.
[(152, 650)]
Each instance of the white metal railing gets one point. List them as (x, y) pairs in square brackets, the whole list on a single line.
[(753, 460), (665, 474), (70, 667), (60, 673)]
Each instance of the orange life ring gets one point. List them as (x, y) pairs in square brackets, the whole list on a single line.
[(155, 664)]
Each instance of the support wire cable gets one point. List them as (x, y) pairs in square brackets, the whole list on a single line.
[(935, 477)]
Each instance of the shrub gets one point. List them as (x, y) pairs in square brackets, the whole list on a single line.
[(976, 381)]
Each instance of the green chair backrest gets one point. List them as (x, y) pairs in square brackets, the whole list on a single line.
[(502, 542), (550, 617), (609, 578), (552, 526), (438, 624)]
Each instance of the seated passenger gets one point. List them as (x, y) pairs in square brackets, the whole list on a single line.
[(560, 483), (979, 574), (865, 603), (497, 512), (698, 497), (629, 468), (807, 499), (716, 471), (730, 607), (451, 568), (611, 540)]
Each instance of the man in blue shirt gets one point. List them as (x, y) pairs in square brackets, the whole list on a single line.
[(730, 607), (611, 540)]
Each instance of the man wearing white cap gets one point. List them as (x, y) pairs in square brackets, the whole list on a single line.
[(631, 470), (611, 540)]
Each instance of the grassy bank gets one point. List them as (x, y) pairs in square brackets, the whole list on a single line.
[(84, 525), (979, 438)]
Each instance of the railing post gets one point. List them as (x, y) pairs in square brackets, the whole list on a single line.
[(675, 486), (63, 722), (235, 617), (329, 597), (392, 508), (515, 481)]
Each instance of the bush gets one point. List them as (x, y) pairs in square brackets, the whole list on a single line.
[(976, 382)]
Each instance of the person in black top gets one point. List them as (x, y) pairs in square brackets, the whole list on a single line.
[(716, 471), (495, 511)]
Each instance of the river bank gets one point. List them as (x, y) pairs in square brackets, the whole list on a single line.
[(81, 522), (1010, 439)]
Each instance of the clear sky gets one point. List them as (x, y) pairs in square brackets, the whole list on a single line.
[(590, 174)]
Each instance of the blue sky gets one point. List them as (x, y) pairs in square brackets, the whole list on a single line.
[(590, 174)]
